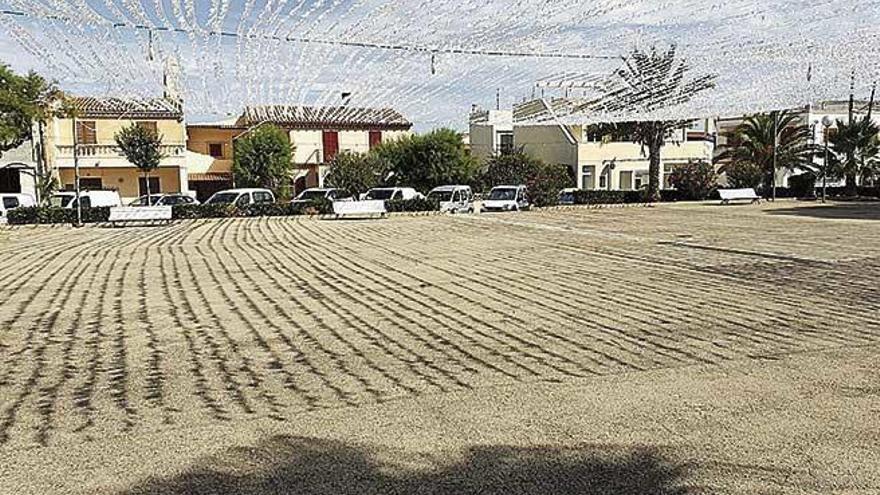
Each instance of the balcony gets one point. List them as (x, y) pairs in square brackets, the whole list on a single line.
[(111, 151)]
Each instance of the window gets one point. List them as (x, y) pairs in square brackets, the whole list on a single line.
[(10, 203), (155, 186), (243, 200), (91, 184), (86, 132), (215, 150), (603, 181), (505, 143), (331, 145), (587, 180), (85, 200), (375, 138), (262, 197), (149, 126)]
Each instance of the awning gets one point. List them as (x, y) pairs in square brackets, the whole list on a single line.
[(210, 177)]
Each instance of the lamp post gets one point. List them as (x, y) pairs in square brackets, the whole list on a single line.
[(827, 121), (76, 174)]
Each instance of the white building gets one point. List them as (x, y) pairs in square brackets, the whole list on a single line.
[(491, 132)]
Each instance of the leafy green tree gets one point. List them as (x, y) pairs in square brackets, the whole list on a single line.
[(142, 147), (856, 147), (742, 175), (427, 161), (263, 158), (754, 141), (650, 81), (544, 181), (16, 113), (695, 180), (356, 173)]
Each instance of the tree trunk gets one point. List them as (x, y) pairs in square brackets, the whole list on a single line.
[(851, 188), (654, 147), (147, 183)]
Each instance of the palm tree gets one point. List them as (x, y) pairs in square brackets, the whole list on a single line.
[(770, 142), (651, 81), (857, 149)]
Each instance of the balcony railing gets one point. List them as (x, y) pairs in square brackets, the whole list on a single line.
[(112, 151)]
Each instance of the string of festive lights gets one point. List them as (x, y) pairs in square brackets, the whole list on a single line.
[(433, 59)]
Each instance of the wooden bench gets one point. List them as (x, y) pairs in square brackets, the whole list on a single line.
[(140, 214), (728, 195), (367, 208)]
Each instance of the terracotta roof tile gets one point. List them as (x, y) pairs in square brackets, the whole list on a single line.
[(154, 108)]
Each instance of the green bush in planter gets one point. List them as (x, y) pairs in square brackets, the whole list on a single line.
[(802, 185), (411, 205), (53, 215)]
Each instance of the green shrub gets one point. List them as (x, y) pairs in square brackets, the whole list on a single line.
[(743, 175), (695, 180), (181, 212), (603, 197), (52, 215), (802, 185), (412, 205), (315, 207)]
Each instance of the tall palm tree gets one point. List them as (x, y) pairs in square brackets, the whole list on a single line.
[(650, 81), (771, 142), (857, 149)]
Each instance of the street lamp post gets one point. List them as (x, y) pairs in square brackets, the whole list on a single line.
[(76, 175), (826, 124)]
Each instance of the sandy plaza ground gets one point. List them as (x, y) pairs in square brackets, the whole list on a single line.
[(682, 348)]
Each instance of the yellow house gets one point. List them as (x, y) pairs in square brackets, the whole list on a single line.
[(101, 164), (597, 162), (317, 133)]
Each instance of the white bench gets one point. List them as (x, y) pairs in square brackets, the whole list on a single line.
[(140, 214), (359, 208), (728, 195)]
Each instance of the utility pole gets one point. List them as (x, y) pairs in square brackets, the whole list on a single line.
[(775, 145), (76, 174)]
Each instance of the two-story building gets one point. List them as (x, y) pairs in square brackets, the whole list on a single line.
[(598, 161), (101, 164), (317, 134)]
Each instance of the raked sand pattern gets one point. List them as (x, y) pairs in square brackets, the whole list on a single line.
[(141, 336)]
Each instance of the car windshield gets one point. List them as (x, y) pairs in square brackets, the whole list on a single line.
[(311, 194), (223, 198), (442, 196), (380, 194), (61, 200), (502, 194)]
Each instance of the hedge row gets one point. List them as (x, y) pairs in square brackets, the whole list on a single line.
[(50, 215)]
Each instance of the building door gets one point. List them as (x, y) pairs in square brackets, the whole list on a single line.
[(10, 181), (331, 145), (626, 180)]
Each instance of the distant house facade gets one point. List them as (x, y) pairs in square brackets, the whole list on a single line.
[(491, 132), (811, 115), (317, 133), (101, 164), (18, 170), (597, 161)]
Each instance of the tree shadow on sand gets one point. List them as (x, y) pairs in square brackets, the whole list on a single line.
[(840, 211), (296, 465)]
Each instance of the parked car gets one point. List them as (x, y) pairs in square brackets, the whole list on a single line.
[(507, 198), (453, 199), (392, 193), (11, 201), (241, 197), (316, 193), (566, 196), (89, 199), (165, 200)]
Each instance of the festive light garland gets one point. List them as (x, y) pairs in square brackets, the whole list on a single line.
[(433, 59)]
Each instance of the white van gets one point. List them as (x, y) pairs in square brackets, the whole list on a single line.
[(507, 198), (90, 199), (453, 199), (11, 201), (392, 193), (241, 197)]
